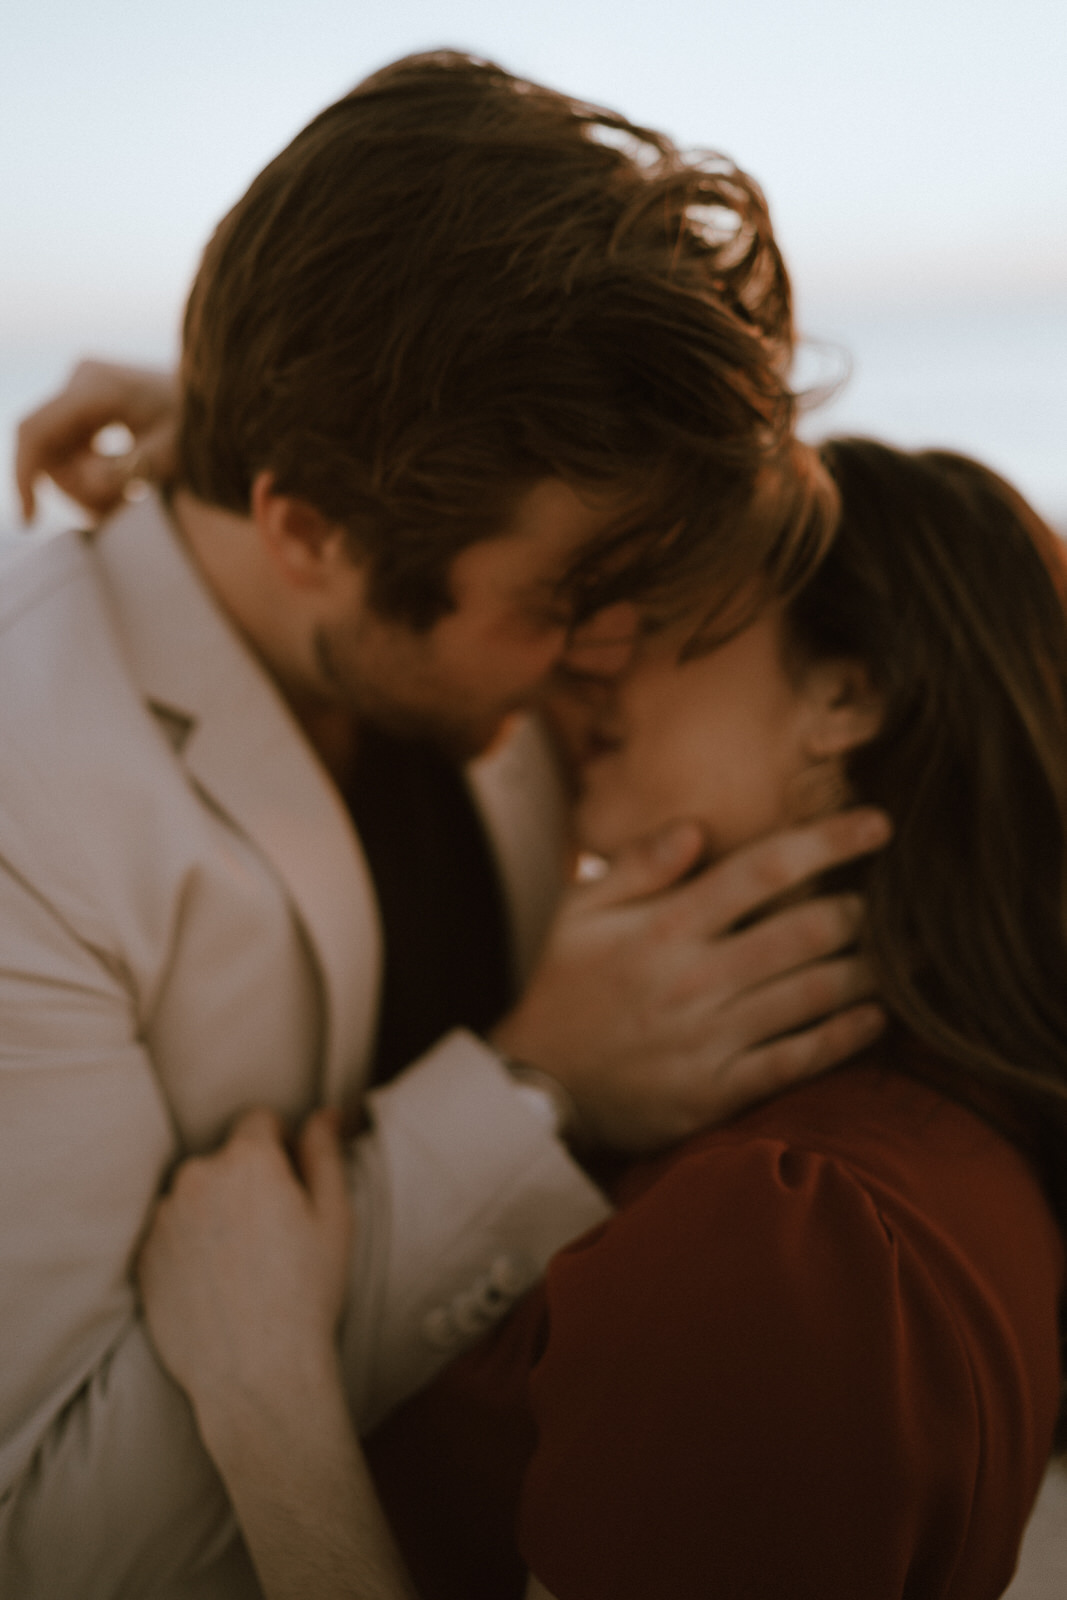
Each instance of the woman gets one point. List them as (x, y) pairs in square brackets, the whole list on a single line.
[(816, 1352)]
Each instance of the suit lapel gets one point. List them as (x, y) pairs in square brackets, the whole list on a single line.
[(242, 747), (517, 788)]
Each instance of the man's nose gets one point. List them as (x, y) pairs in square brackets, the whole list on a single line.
[(603, 646)]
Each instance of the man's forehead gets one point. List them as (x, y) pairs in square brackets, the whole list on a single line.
[(554, 523), (568, 512), (558, 551)]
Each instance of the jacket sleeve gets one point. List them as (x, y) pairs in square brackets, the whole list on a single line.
[(462, 1194), (105, 1489), (463, 1190)]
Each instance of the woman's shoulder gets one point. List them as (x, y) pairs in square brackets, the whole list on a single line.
[(866, 1166), (865, 1189), (906, 1152), (833, 1308)]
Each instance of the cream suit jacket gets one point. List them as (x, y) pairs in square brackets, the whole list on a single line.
[(187, 928)]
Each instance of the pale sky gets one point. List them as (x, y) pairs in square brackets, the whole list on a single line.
[(912, 153), (907, 145)]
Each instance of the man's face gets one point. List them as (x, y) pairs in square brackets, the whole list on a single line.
[(510, 626)]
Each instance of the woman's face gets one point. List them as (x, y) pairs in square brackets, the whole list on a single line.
[(728, 738)]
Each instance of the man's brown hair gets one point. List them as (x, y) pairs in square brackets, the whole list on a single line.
[(454, 283)]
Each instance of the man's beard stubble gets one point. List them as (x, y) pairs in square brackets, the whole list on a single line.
[(459, 739)]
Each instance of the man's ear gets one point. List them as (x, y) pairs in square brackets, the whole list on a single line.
[(304, 544), (846, 710)]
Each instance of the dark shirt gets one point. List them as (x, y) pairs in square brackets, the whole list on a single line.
[(445, 932)]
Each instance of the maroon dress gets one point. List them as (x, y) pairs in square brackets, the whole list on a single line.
[(814, 1355)]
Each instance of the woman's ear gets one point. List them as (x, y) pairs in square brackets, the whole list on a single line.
[(845, 709), (304, 545)]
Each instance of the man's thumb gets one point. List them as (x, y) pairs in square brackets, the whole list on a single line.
[(651, 864)]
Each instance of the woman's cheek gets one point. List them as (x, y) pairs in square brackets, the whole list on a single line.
[(611, 811)]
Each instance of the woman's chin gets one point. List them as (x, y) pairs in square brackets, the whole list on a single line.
[(604, 831), (593, 841), (600, 828)]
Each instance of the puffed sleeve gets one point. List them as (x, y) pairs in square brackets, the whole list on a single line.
[(752, 1386)]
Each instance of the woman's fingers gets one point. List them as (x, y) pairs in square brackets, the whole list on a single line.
[(322, 1167), (96, 482), (259, 1126), (56, 435), (57, 438), (154, 456), (244, 1269)]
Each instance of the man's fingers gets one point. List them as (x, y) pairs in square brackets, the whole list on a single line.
[(770, 1069), (741, 883), (758, 1074), (810, 994), (791, 938), (648, 866)]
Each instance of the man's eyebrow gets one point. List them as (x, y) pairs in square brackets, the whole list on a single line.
[(552, 588)]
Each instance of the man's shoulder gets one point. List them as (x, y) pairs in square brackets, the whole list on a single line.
[(70, 619), (34, 569), (85, 766), (60, 655), (917, 1165)]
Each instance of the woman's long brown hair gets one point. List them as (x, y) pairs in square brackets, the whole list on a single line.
[(953, 592)]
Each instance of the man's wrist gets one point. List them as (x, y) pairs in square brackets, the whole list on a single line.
[(545, 1094)]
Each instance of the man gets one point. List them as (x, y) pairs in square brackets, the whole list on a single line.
[(462, 380)]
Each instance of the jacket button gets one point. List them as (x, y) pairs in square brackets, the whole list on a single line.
[(507, 1277), (439, 1330), (469, 1312)]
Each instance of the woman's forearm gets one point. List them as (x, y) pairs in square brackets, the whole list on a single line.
[(243, 1275), (302, 1493)]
